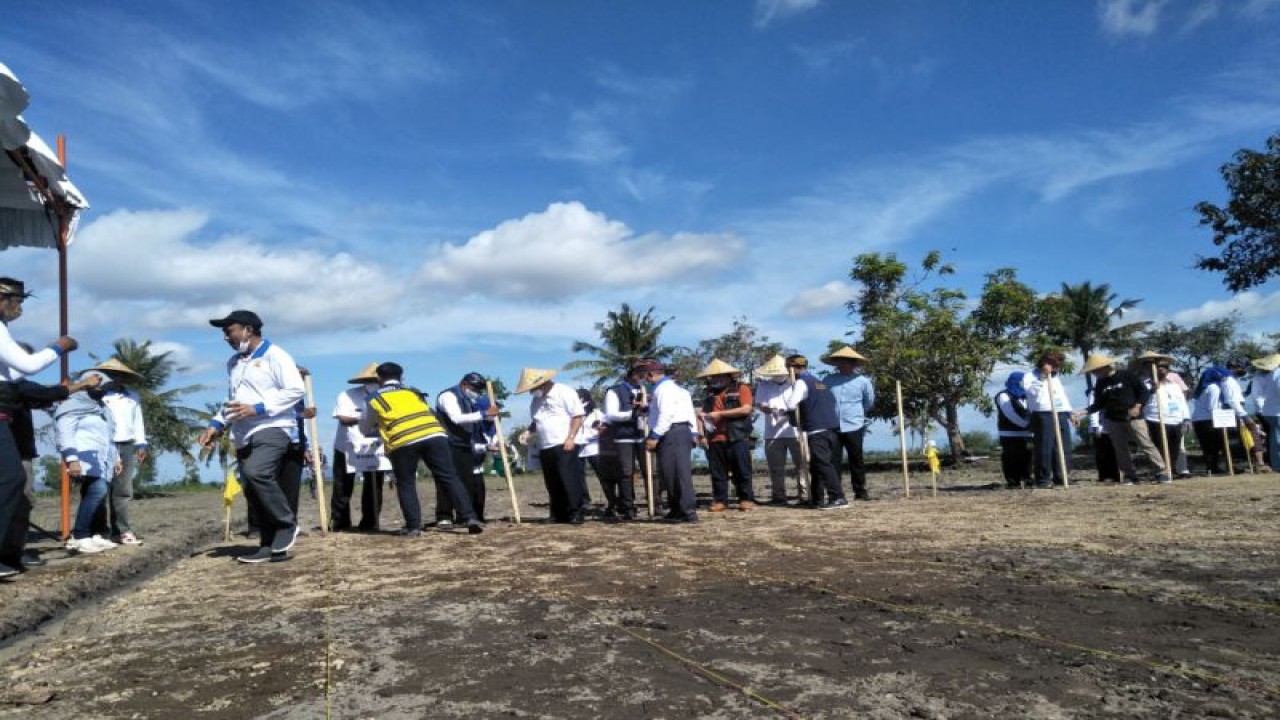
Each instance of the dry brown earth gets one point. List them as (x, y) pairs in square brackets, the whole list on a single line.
[(1100, 601)]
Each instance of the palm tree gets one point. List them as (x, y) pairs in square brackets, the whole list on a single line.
[(170, 425), (1086, 323), (626, 337)]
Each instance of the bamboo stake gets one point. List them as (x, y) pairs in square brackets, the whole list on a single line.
[(802, 472), (902, 443), (1164, 435), (1057, 432), (502, 451), (64, 240), (317, 468)]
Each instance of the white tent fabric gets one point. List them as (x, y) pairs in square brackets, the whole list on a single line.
[(24, 218)]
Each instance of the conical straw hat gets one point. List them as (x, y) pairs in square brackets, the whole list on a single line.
[(367, 375), (718, 367), (844, 353), (1154, 357), (776, 366), (114, 365), (1268, 363), (1096, 361), (531, 378)]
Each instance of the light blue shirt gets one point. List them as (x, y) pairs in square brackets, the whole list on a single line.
[(854, 397)]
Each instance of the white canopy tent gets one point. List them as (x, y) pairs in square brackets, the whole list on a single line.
[(39, 205)]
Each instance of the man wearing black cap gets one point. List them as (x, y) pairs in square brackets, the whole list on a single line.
[(16, 363), (265, 387), (820, 421), (467, 415)]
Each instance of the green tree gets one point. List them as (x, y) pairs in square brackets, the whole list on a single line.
[(926, 337), (1081, 317), (1248, 228), (170, 424), (625, 337)]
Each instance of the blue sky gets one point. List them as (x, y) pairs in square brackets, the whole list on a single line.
[(472, 185)]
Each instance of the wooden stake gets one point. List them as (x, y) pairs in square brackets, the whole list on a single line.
[(1226, 446), (317, 467), (502, 451), (1057, 432), (802, 437), (902, 443), (1164, 436), (64, 239)]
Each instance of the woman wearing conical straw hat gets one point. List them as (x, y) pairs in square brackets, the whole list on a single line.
[(1167, 410), (557, 414), (780, 436), (130, 439)]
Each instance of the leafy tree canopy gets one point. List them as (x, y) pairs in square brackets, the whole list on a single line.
[(1247, 229)]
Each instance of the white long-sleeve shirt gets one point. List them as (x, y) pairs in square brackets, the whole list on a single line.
[(126, 412), (770, 396), (18, 363), (1233, 395), (670, 405), (1038, 393), (1175, 405), (589, 435), (1266, 392), (268, 379)]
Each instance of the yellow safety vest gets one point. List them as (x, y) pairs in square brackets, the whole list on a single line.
[(403, 417)]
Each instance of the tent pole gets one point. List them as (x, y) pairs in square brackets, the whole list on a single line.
[(64, 232)]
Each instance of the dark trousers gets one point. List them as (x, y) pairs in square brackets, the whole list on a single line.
[(560, 476), (580, 475), (824, 472), (617, 472), (344, 484), (1046, 447), (15, 508), (468, 465), (1015, 460), (1104, 457), (434, 452), (675, 462), (730, 460), (1174, 434), (851, 443), (266, 477), (1211, 445)]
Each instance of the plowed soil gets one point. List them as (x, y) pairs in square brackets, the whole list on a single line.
[(1096, 601)]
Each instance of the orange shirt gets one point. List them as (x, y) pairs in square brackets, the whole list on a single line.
[(717, 405)]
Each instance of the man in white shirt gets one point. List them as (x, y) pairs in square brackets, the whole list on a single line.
[(130, 438), (671, 434), (622, 443), (1048, 403), (467, 415), (780, 437), (265, 385), (557, 414)]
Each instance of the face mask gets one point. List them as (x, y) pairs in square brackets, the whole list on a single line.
[(243, 347), (472, 394), (538, 393)]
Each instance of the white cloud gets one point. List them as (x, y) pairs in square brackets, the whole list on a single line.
[(1202, 13), (568, 250), (152, 263), (817, 300), (769, 10), (1129, 17), (1249, 305)]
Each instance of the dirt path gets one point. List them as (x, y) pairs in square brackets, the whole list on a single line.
[(1149, 601)]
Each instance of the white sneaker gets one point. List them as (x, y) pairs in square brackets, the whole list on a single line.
[(130, 539), (102, 542), (84, 545)]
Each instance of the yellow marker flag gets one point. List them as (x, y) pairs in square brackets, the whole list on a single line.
[(1246, 437), (230, 487), (935, 463)]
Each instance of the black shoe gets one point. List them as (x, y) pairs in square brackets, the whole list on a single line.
[(841, 504), (262, 554), (475, 527), (284, 539), (863, 496), (408, 532), (32, 560), (576, 519)]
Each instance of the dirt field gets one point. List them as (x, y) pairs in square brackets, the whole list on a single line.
[(1098, 601)]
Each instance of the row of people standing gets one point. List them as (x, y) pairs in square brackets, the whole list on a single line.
[(1138, 414)]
